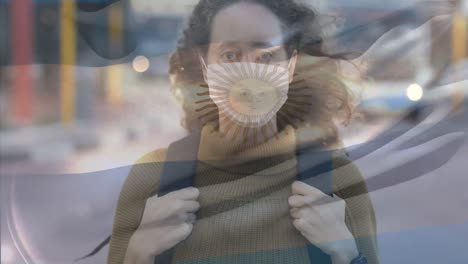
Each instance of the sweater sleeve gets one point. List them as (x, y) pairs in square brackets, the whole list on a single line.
[(360, 216), (141, 182)]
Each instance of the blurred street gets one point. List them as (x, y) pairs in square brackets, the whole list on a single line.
[(76, 115)]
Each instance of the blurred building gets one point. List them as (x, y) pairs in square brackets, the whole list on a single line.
[(453, 44)]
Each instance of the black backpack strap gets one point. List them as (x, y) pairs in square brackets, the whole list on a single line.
[(178, 170), (178, 173), (314, 167)]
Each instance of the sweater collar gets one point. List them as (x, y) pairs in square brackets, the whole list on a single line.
[(217, 151)]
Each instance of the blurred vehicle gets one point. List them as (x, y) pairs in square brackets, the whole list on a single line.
[(392, 105), (416, 97)]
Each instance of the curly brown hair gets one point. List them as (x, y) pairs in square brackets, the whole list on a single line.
[(326, 96)]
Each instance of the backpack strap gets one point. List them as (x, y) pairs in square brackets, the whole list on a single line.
[(178, 173), (179, 170), (314, 168)]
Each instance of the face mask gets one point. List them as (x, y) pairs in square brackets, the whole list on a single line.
[(250, 94)]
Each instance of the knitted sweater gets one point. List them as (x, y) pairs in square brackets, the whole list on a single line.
[(244, 213)]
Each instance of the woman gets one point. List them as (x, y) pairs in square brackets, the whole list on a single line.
[(236, 70)]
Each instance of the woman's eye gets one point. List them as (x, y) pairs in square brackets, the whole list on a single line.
[(229, 56), (266, 56)]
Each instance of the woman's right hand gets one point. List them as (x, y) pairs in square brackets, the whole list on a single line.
[(167, 220)]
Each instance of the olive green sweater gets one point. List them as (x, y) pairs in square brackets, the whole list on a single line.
[(244, 213)]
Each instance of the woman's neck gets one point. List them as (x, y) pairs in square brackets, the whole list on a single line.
[(248, 135)]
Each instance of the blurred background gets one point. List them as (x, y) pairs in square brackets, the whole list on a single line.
[(84, 89)]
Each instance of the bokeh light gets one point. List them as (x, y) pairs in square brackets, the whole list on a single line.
[(141, 64), (414, 92)]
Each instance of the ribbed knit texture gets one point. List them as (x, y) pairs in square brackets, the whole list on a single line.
[(244, 215)]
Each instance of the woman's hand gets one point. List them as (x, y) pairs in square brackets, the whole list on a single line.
[(167, 220), (321, 220)]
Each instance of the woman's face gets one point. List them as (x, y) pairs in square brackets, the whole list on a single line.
[(249, 36)]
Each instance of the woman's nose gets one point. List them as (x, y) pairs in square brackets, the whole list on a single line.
[(249, 57)]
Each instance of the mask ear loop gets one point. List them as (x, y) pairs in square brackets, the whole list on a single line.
[(204, 68), (203, 64)]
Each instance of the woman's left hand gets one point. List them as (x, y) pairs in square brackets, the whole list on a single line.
[(321, 220)]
